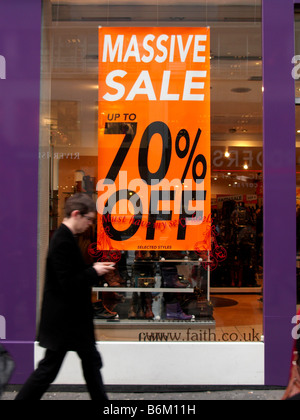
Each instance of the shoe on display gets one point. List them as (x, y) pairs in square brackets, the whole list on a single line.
[(148, 306), (171, 278), (132, 313), (149, 314), (102, 312), (114, 279), (174, 312), (140, 309), (136, 310), (105, 315)]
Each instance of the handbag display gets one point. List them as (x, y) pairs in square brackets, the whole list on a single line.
[(146, 282), (7, 366), (143, 275)]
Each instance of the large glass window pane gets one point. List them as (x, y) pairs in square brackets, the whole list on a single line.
[(195, 296)]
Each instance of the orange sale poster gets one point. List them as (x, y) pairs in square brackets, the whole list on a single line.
[(154, 190)]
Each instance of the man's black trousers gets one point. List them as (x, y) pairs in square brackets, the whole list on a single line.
[(49, 367)]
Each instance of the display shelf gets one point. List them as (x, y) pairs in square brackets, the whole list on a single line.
[(136, 323), (159, 297), (236, 290), (144, 289)]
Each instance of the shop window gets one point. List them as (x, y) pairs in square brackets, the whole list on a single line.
[(160, 294)]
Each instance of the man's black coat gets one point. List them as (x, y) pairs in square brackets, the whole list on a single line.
[(67, 312)]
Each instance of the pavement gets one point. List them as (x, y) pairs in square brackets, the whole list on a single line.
[(235, 394)]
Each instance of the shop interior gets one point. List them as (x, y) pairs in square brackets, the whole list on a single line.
[(190, 299)]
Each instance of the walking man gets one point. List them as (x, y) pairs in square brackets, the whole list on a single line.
[(67, 312)]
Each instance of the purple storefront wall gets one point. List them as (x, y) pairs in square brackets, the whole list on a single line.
[(20, 40), (279, 188)]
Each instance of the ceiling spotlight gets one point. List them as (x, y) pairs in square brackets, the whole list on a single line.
[(227, 154)]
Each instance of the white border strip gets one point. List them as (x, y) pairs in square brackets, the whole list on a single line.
[(131, 363)]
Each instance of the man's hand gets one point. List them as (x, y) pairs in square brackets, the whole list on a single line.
[(104, 268)]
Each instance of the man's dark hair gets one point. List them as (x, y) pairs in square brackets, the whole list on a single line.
[(81, 202)]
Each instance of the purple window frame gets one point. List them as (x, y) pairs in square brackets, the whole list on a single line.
[(20, 44), (279, 188), (19, 151)]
